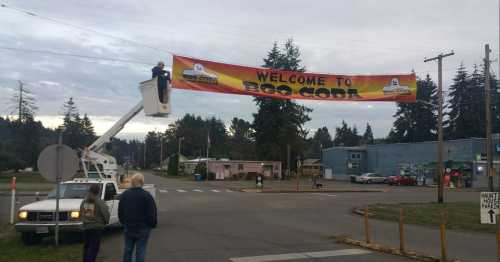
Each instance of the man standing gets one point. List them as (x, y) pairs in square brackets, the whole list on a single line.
[(137, 214), (163, 80)]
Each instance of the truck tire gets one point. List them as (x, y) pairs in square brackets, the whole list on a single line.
[(30, 238)]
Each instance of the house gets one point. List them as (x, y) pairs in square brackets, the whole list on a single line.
[(312, 167), (225, 168)]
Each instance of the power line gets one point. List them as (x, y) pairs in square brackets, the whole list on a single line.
[(31, 13), (15, 49)]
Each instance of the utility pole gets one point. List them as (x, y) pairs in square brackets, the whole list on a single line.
[(439, 58), (208, 149), (161, 152), (487, 90), (180, 142), (21, 85), (144, 164), (288, 159), (179, 155)]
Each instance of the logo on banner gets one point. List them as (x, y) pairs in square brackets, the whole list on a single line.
[(198, 74), (395, 89)]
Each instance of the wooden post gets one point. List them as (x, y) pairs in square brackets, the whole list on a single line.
[(401, 231), (367, 227), (442, 232), (498, 237)]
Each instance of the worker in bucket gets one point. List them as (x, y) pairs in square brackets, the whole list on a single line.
[(95, 215), (163, 79), (137, 213)]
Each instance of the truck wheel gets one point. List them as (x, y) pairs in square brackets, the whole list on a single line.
[(30, 238)]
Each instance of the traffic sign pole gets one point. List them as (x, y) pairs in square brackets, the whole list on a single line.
[(58, 188), (13, 200)]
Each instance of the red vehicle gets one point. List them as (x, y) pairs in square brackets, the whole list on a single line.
[(402, 180)]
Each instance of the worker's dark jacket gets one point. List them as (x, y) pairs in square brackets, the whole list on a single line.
[(137, 210), (157, 71)]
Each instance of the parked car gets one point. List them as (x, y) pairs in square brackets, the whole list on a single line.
[(402, 180), (370, 178)]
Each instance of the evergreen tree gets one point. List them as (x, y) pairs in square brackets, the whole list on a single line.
[(279, 122), (23, 103), (346, 136), (416, 122), (72, 127), (152, 143), (241, 140), (321, 139), (458, 124), (368, 135), (88, 130)]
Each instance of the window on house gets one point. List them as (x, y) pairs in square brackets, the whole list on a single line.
[(353, 165), (355, 156), (240, 166)]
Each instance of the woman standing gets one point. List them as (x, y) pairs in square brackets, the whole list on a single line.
[(95, 216)]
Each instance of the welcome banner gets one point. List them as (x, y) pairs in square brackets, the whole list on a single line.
[(201, 75)]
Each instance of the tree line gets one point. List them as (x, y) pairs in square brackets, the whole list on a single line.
[(276, 131)]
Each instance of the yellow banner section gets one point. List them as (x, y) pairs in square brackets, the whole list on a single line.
[(201, 75)]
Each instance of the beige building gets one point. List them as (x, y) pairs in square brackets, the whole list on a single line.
[(225, 169)]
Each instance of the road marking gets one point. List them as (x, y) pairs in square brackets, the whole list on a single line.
[(332, 195), (229, 190), (215, 190), (197, 190), (304, 255), (181, 191), (163, 191)]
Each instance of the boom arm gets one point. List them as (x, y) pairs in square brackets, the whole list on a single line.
[(98, 145)]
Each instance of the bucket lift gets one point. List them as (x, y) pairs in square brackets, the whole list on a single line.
[(97, 164), (151, 97)]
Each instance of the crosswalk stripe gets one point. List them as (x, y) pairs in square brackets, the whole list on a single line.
[(163, 191), (215, 190), (181, 191), (197, 190), (304, 255)]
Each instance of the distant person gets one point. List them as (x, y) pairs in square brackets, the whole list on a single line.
[(95, 215), (163, 79), (137, 214)]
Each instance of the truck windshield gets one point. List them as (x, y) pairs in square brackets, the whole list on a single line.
[(78, 190)]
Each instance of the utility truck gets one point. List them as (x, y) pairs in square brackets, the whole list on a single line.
[(38, 219)]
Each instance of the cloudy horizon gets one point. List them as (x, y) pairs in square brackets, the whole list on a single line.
[(341, 37)]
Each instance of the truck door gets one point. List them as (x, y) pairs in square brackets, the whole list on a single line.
[(109, 198)]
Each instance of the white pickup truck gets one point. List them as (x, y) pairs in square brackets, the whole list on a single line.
[(37, 219)]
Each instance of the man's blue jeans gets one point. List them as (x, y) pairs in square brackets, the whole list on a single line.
[(138, 239)]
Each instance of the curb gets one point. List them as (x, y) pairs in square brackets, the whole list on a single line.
[(389, 250)]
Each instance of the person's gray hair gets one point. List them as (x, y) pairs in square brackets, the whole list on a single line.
[(137, 180), (161, 63)]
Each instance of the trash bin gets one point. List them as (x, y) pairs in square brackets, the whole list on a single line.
[(197, 177)]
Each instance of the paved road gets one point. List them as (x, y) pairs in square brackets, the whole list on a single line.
[(208, 222), (200, 222)]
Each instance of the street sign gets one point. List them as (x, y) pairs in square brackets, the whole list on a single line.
[(490, 207), (47, 162)]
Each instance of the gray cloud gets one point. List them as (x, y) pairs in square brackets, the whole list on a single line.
[(358, 37)]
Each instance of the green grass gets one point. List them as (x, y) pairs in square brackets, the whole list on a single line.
[(27, 177), (29, 181), (12, 249), (462, 216)]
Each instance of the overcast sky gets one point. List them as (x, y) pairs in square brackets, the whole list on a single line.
[(342, 36)]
